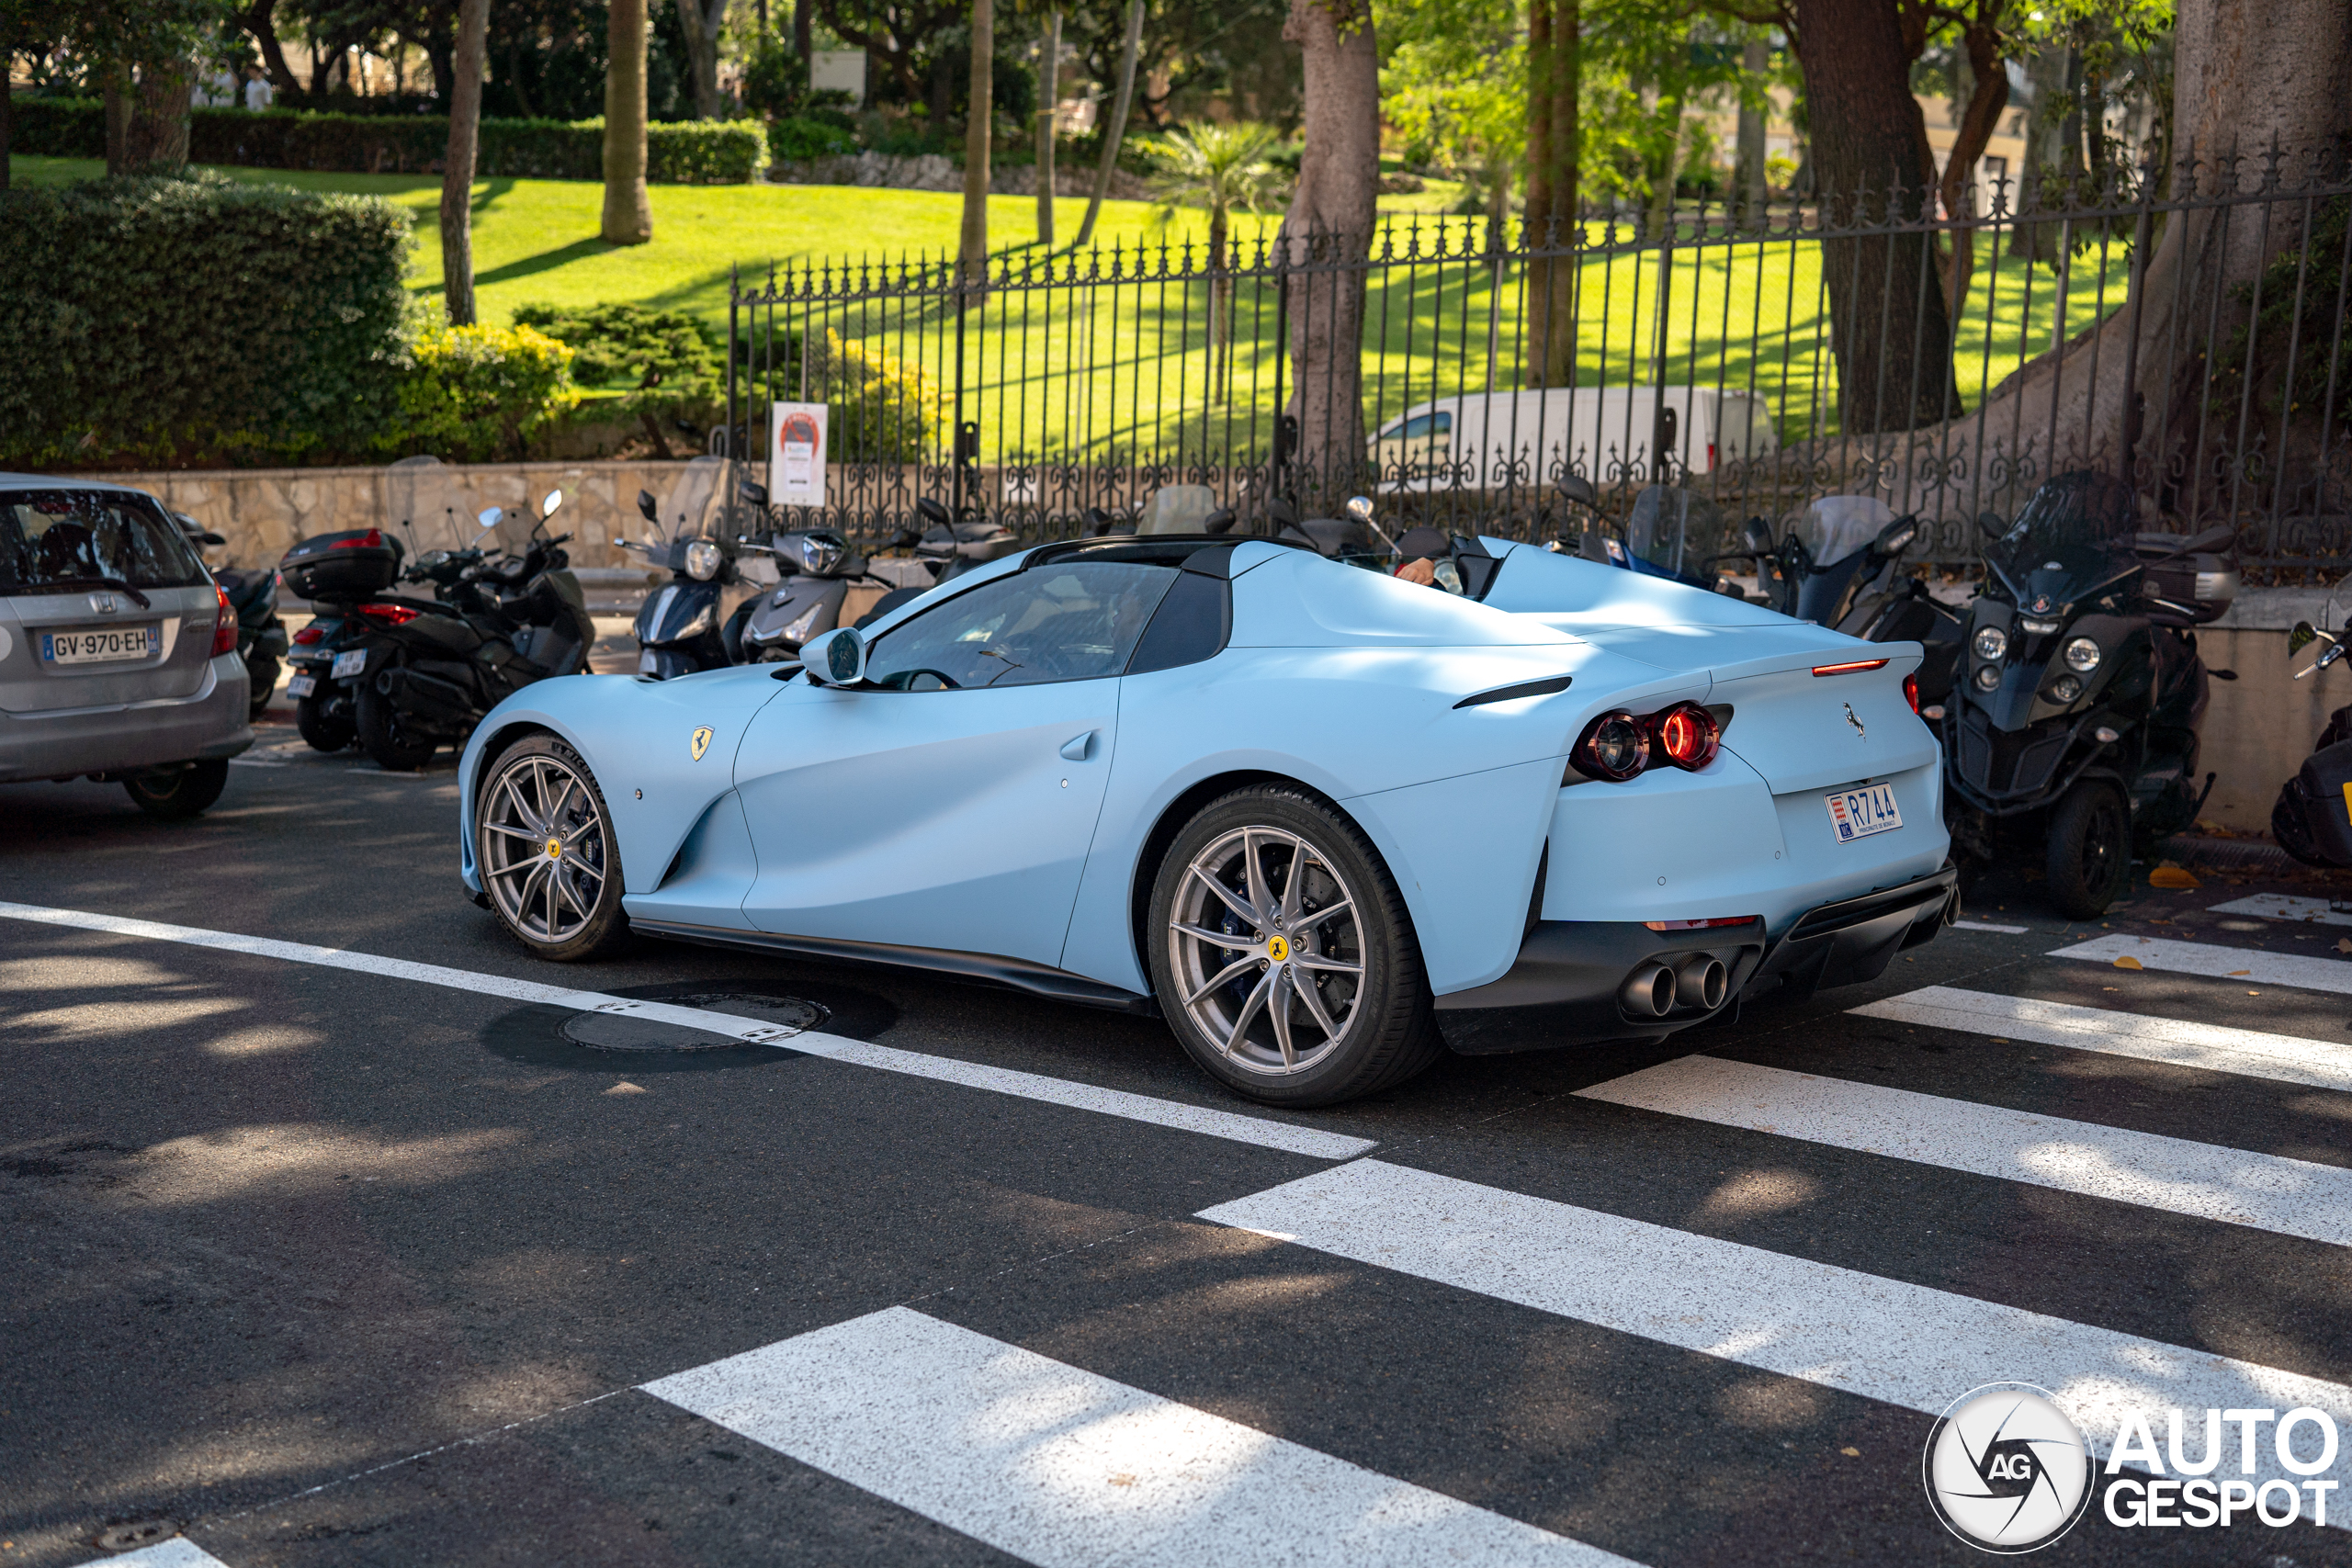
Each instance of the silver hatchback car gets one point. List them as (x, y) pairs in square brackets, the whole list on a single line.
[(118, 652)]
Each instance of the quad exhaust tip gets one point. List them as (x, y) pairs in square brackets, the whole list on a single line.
[(1702, 982), (1648, 991), (1653, 990)]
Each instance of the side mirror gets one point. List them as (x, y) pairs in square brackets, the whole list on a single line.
[(1578, 488), (1218, 521), (2210, 539), (930, 510), (1990, 524), (489, 515), (1756, 536), (2300, 636), (904, 539), (1897, 536), (547, 507), (754, 493), (835, 658), (1098, 523), (1359, 507), (646, 509)]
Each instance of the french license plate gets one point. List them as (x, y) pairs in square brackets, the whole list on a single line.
[(101, 645), (1858, 813), (349, 664), (301, 685)]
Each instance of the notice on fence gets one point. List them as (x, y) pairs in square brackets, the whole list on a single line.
[(797, 455)]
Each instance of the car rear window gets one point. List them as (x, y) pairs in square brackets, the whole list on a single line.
[(61, 539)]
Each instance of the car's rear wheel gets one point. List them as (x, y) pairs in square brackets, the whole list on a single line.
[(386, 735), (1283, 954), (545, 846), (174, 794), (324, 718)]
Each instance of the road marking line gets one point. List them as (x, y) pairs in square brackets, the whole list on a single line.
[(1989, 926), (2290, 1197), (177, 1552), (2218, 961), (1060, 1467), (1311, 1141), (2277, 907), (2284, 1058), (1883, 1339)]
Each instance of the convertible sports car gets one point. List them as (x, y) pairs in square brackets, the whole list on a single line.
[(1324, 822)]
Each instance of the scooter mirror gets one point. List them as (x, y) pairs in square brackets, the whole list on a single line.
[(1359, 508), (488, 517), (646, 508), (1218, 521), (754, 493), (932, 512), (2300, 636), (1897, 536), (836, 658), (547, 507), (1755, 535), (1576, 488), (1990, 524)]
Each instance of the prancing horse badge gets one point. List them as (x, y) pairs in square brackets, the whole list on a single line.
[(701, 742)]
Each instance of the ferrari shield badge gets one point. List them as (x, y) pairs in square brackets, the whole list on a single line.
[(701, 741)]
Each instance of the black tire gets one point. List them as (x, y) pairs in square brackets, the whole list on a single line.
[(261, 669), (2089, 851), (386, 738), (2290, 827), (325, 729), (586, 920), (179, 793), (1364, 967)]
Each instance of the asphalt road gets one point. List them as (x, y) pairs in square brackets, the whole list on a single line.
[(310, 1263)]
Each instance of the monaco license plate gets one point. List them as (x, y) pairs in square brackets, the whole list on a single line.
[(301, 685), (349, 664), (100, 645), (1858, 813)]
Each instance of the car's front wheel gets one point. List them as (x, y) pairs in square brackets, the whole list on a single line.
[(1283, 955), (545, 846)]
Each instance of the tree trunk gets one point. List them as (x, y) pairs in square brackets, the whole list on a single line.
[(1049, 87), (980, 117), (1748, 183), (115, 91), (259, 21), (1888, 327), (157, 134), (629, 214), (803, 38), (1128, 47), (1220, 309), (1327, 239), (1665, 173), (1989, 94), (7, 131), (701, 24), (1555, 29), (457, 168)]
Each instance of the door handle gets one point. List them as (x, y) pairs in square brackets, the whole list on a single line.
[(1079, 749)]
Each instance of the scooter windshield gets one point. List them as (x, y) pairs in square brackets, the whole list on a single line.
[(1836, 526), (2074, 538), (1673, 533)]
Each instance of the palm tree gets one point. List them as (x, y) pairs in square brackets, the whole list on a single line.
[(1220, 167)]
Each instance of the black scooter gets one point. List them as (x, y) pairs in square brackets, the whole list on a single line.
[(262, 641), (948, 548), (2312, 819), (2073, 722), (697, 620), (1841, 566), (424, 677)]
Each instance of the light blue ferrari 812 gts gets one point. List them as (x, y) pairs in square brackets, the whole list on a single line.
[(1325, 822)]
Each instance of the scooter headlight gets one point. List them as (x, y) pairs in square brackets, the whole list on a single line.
[(1988, 677), (2066, 688), (2082, 655), (703, 560), (1991, 642), (820, 553), (804, 624)]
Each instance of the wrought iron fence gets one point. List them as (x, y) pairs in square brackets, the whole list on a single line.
[(1946, 361)]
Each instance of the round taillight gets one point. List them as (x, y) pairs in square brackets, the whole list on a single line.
[(1688, 734), (1615, 746)]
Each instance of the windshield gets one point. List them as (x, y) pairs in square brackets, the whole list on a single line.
[(1677, 531), (67, 538), (1837, 526), (690, 508), (2075, 537)]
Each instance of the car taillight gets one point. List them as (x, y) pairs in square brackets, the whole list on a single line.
[(1852, 667), (373, 539), (1911, 691), (1615, 746), (224, 624), (389, 614), (1704, 925), (309, 634), (1687, 733)]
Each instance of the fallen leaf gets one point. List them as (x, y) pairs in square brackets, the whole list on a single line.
[(2343, 944), (1123, 1479), (2128, 962), (2172, 877), (628, 1088), (1851, 1454), (2235, 972), (2254, 993)]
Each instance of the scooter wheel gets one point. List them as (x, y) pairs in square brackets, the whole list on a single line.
[(261, 670), (326, 728), (386, 739), (2089, 851)]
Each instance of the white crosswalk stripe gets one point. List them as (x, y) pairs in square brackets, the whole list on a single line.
[(177, 1552), (2291, 1197), (2218, 961), (2279, 907), (2252, 1053), (1059, 1466), (1885, 1339)]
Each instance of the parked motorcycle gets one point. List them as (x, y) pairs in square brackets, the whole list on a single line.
[(697, 620), (817, 567), (2312, 819), (422, 675), (1841, 566), (2074, 721), (336, 572), (948, 548), (262, 641)]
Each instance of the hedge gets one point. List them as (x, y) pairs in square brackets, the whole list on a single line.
[(478, 394), (692, 153), (160, 318)]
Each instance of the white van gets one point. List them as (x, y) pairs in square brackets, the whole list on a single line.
[(1493, 440)]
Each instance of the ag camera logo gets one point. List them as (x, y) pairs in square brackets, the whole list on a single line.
[(2005, 1470)]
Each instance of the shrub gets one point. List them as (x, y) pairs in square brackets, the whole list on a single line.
[(693, 152), (882, 408), (478, 394), (799, 139), (195, 318), (667, 361)]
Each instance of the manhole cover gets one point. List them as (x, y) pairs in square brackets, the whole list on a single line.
[(624, 1031), (139, 1532)]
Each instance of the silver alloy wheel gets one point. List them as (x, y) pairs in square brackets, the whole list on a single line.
[(542, 849), (1266, 942)]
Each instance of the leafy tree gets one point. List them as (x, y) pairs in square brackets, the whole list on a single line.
[(1221, 168)]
